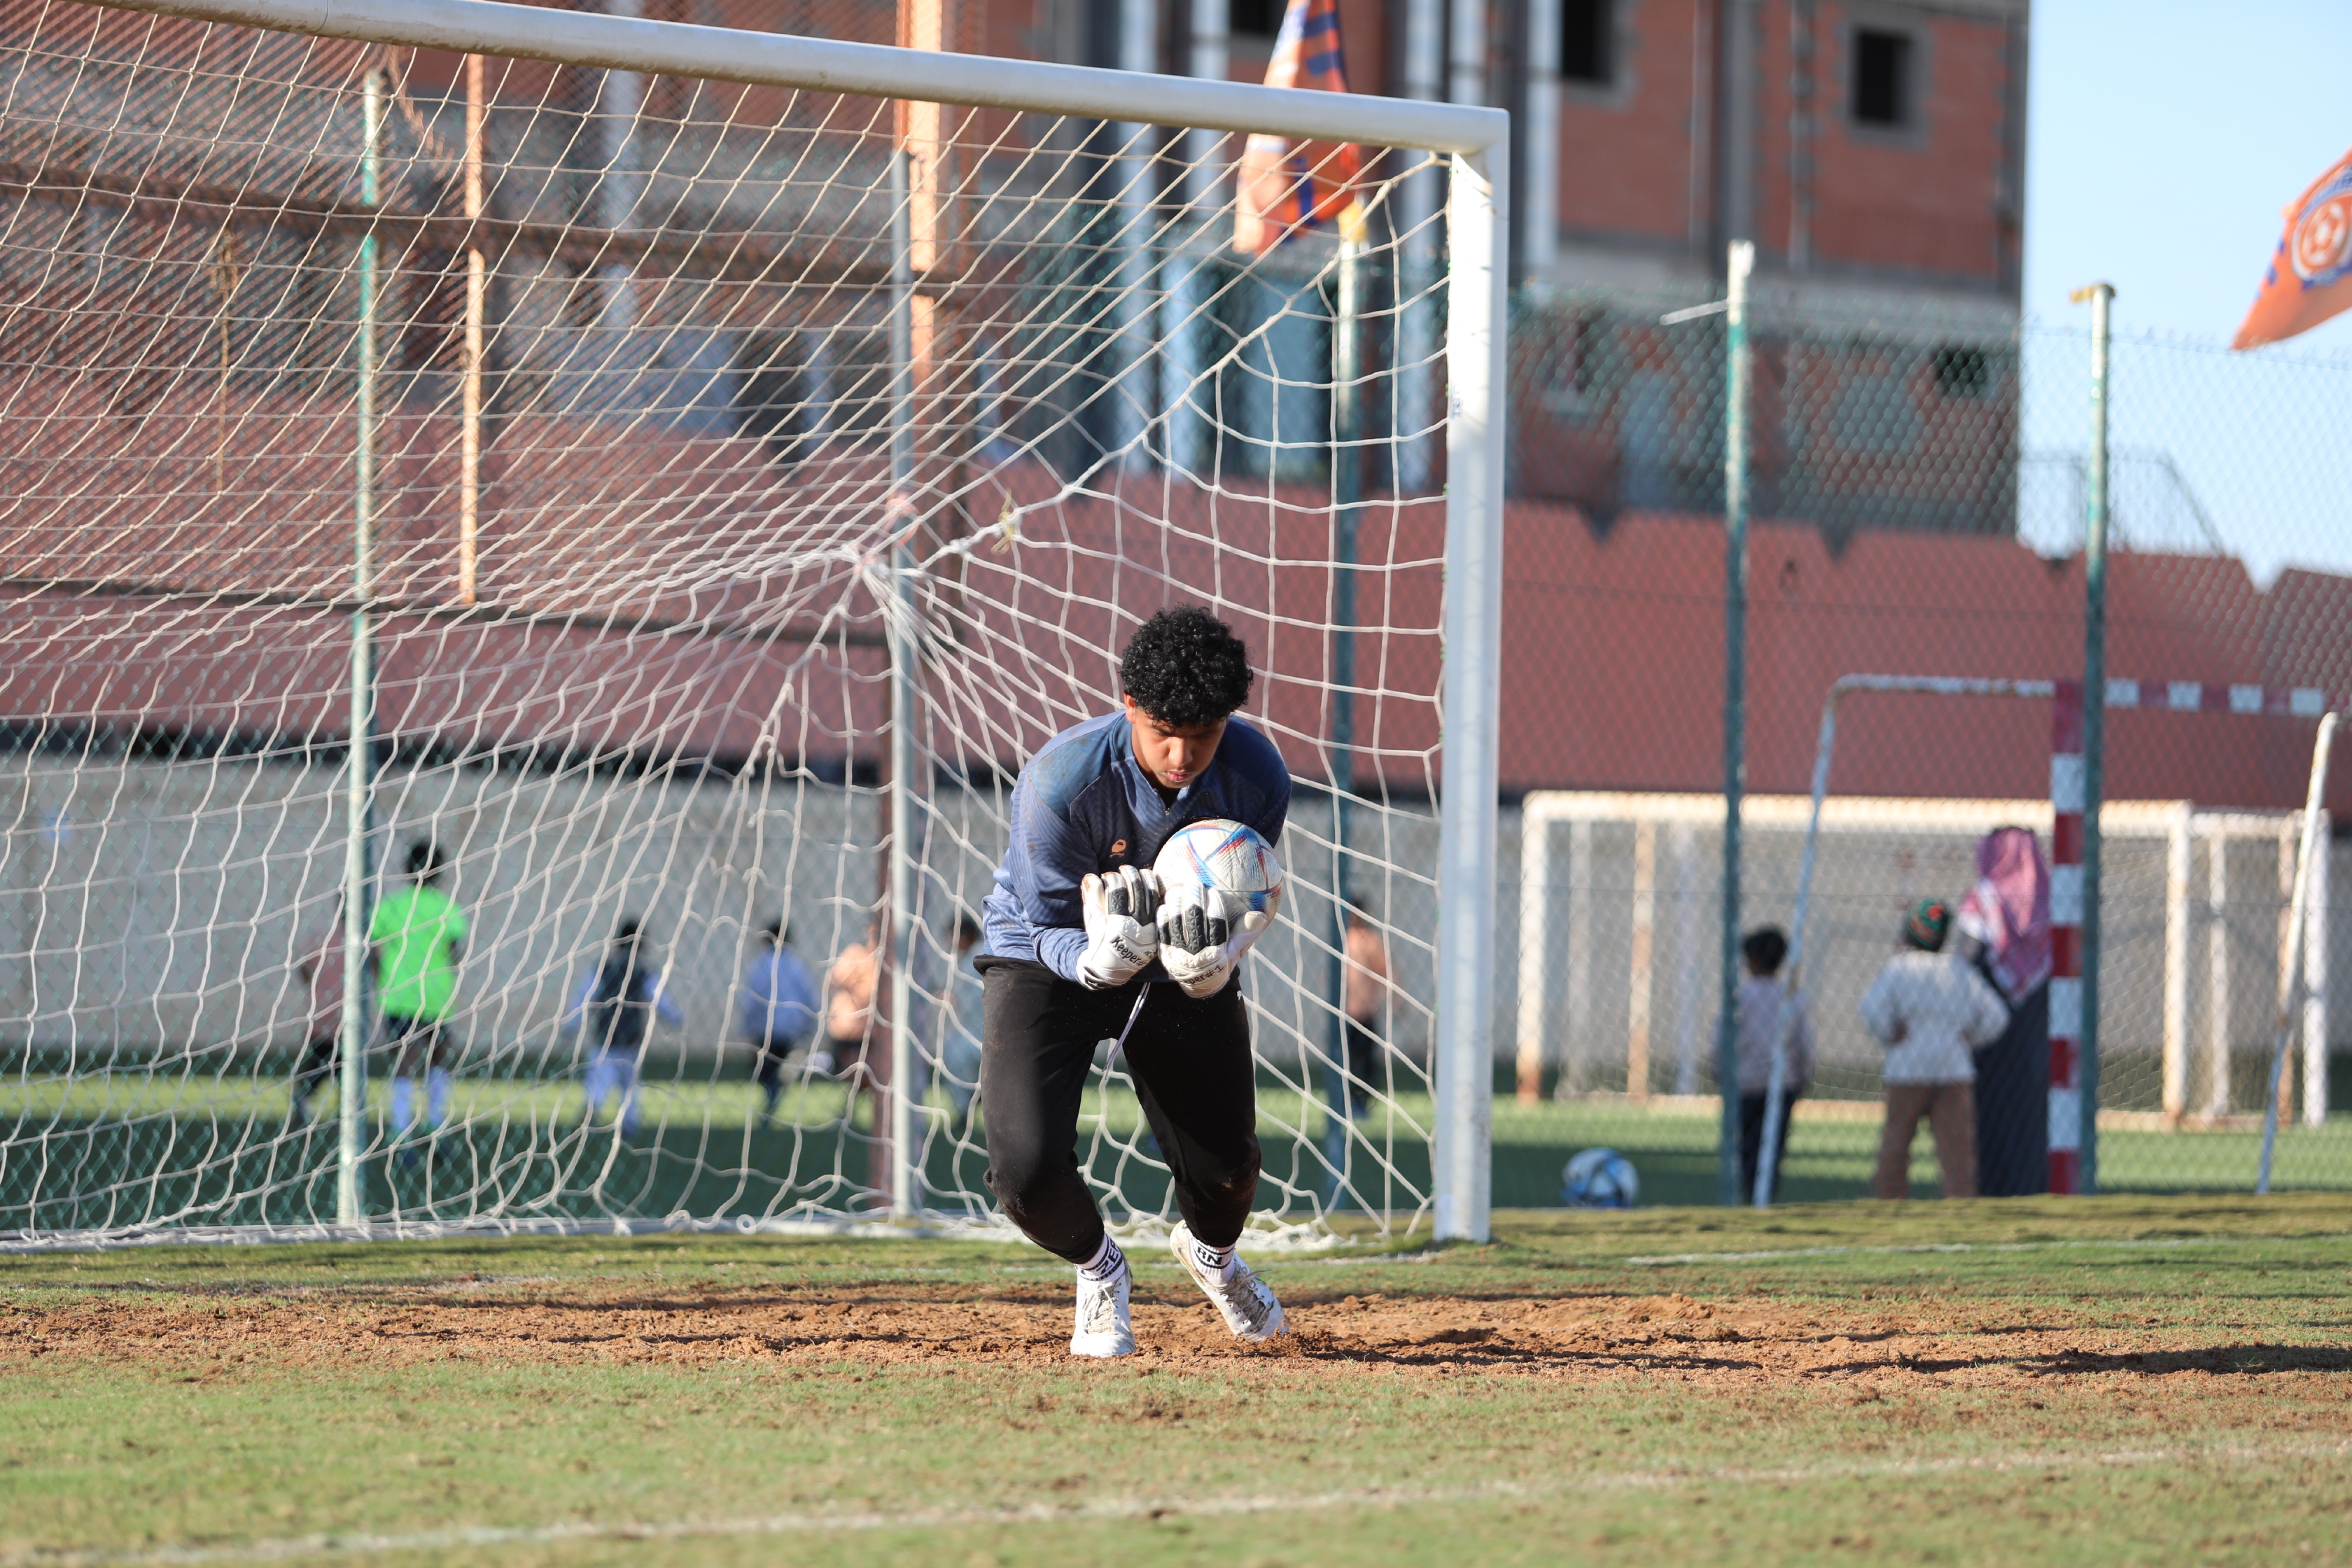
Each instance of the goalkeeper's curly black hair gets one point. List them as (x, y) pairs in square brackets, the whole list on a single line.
[(1186, 669)]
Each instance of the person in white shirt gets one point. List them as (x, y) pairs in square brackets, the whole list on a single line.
[(1930, 1009)]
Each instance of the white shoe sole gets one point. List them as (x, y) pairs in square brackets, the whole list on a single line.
[(1104, 1345), (1180, 1242)]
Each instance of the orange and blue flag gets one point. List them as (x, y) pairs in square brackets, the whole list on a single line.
[(2310, 278), (1283, 187)]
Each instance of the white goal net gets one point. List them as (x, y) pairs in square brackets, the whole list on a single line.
[(697, 488)]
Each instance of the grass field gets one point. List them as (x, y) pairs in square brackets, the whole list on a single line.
[(2111, 1380), (111, 1151)]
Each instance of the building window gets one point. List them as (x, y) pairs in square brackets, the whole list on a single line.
[(1962, 373), (1882, 77), (1585, 55), (1255, 18)]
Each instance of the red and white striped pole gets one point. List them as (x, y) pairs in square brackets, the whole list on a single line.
[(2066, 799)]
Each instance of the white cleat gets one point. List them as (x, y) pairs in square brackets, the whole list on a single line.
[(1240, 1297), (1103, 1327)]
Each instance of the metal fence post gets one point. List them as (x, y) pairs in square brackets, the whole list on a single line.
[(2066, 816), (2101, 297), (1740, 263), (351, 1199)]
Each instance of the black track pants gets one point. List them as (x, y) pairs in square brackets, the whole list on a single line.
[(1191, 1067)]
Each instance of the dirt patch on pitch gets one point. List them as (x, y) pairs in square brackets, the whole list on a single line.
[(1587, 1336)]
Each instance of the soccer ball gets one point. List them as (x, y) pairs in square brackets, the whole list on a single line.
[(1220, 854), (1600, 1179)]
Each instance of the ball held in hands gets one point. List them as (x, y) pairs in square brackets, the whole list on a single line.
[(1221, 885), (1205, 931)]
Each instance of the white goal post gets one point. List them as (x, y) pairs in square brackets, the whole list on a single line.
[(894, 614), (1612, 881)]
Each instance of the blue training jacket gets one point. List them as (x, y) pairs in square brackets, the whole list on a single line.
[(1084, 803)]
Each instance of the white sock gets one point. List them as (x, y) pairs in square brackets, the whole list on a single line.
[(1212, 1258), (404, 1103), (437, 1096), (1105, 1265)]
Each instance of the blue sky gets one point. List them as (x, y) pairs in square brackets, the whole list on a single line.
[(2165, 137)]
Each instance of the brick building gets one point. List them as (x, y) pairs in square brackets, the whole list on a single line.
[(1874, 152)]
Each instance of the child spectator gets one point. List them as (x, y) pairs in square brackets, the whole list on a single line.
[(418, 940), (613, 1006), (1365, 993), (322, 969), (1766, 1015), (1929, 1007), (776, 1011), (849, 986), (960, 1047)]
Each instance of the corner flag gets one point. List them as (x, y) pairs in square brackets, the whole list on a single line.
[(1280, 188), (2309, 278)]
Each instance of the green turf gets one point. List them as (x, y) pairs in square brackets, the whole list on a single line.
[(133, 1150), (2109, 1457)]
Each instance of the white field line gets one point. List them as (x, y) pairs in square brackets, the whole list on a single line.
[(1662, 1259), (2224, 1455)]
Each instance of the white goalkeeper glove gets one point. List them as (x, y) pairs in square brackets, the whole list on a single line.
[(1121, 938), (1205, 931)]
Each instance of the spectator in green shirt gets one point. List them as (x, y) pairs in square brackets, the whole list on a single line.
[(416, 939)]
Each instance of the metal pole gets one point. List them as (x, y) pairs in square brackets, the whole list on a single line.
[(469, 438), (1479, 209), (2095, 716), (2217, 974), (1540, 231), (1535, 942), (1346, 429), (1740, 263), (2314, 989), (1416, 316), (351, 1199), (2179, 852), (1776, 1088), (2312, 847), (830, 66), (1186, 291), (905, 698), (1466, 56), (620, 184), (2066, 937), (1137, 399)]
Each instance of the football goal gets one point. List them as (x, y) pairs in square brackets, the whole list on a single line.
[(611, 492), (1620, 908)]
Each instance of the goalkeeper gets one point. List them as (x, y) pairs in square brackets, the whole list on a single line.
[(1082, 949)]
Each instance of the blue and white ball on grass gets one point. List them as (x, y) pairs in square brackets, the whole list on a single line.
[(1225, 857), (1600, 1179)]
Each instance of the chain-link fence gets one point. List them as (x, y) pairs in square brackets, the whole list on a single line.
[(1919, 473)]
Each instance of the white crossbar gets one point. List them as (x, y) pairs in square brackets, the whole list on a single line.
[(875, 70)]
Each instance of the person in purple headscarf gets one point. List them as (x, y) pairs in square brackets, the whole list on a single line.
[(2004, 930)]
